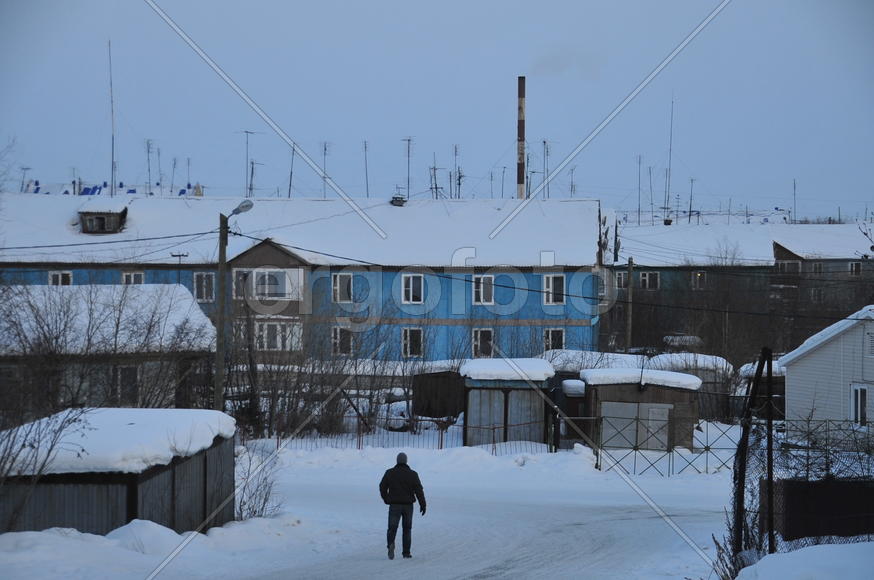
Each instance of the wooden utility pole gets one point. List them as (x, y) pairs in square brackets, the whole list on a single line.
[(221, 304), (629, 283)]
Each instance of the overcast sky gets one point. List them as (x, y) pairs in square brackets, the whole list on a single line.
[(768, 92)]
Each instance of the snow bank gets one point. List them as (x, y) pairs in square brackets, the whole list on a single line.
[(514, 369), (634, 376), (573, 388), (132, 440), (843, 561)]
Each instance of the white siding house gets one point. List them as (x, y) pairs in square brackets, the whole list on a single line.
[(831, 375)]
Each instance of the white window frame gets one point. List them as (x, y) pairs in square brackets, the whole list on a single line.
[(646, 280), (855, 268), (407, 293), (550, 296), (129, 278), (337, 286), (699, 280), (293, 282), (287, 335), (337, 341), (816, 267), (60, 278), (817, 295), (548, 342), (480, 283), (406, 342), (202, 297), (858, 411), (869, 341), (476, 342), (783, 266), (621, 280)]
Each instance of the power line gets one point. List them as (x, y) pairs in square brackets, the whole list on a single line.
[(104, 242)]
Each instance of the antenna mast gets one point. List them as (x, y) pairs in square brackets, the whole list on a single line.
[(112, 118), (324, 169), (638, 187), (366, 173), (291, 173), (670, 157), (409, 141)]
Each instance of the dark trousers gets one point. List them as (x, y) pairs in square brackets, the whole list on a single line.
[(396, 512)]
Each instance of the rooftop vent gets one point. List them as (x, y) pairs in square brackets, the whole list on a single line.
[(398, 200)]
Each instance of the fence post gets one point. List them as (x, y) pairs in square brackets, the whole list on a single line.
[(772, 541), (439, 438)]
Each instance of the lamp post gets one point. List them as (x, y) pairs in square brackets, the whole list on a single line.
[(219, 377)]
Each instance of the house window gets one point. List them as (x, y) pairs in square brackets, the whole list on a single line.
[(279, 284), (869, 343), (412, 342), (341, 341), (482, 342), (816, 267), (132, 277), (553, 338), (413, 284), (649, 280), (204, 286), (341, 287), (553, 289), (483, 289), (855, 268), (699, 280), (622, 279), (859, 405), (125, 386), (788, 266), (284, 336), (816, 295), (60, 278)]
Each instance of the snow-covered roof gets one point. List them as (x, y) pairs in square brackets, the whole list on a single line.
[(500, 369), (102, 318), (828, 333), (824, 242), (131, 440), (748, 370), (573, 387), (101, 204), (572, 361), (689, 360), (423, 232), (647, 377)]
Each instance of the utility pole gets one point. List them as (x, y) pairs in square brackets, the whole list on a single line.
[(521, 193), (149, 165), (639, 159), (112, 169), (794, 207), (691, 188), (179, 270), (366, 172), (629, 292), (573, 183), (503, 172), (291, 173), (251, 177), (409, 141), (324, 169)]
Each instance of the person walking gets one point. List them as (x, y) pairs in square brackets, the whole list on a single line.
[(400, 488)]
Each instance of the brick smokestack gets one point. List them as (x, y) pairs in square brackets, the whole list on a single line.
[(520, 143)]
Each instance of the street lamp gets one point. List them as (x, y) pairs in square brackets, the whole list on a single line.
[(219, 386)]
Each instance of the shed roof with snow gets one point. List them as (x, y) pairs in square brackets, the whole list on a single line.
[(624, 376), (506, 369)]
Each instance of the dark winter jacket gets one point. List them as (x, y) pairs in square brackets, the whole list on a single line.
[(400, 484)]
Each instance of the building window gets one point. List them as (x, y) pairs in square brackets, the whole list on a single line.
[(622, 279), (412, 342), (60, 278), (284, 336), (102, 223), (855, 268), (483, 289), (816, 267), (869, 343), (859, 405), (279, 284), (788, 266), (649, 280), (699, 280), (204, 286), (553, 338), (553, 289), (816, 295), (482, 342), (341, 341), (413, 286), (132, 277), (125, 386), (341, 285)]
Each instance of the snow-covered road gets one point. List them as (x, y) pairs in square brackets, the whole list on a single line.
[(529, 516)]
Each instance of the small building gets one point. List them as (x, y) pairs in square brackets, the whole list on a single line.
[(504, 400), (634, 408), (746, 375), (831, 375), (112, 465), (715, 373)]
